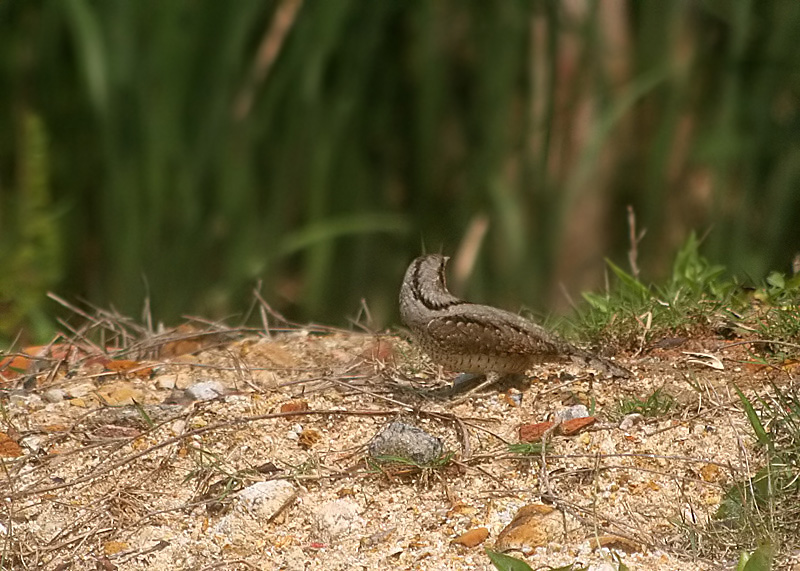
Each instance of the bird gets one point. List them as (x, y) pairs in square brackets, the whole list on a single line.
[(479, 339)]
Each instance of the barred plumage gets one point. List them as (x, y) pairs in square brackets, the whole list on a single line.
[(473, 338)]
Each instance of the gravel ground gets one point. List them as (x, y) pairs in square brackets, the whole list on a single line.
[(253, 454)]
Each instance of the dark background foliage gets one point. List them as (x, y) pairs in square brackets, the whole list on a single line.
[(186, 151)]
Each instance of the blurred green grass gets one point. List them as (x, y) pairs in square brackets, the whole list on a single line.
[(197, 147)]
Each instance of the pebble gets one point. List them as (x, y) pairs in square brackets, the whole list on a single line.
[(533, 526), (335, 519), (253, 509), (120, 394), (166, 382), (630, 421), (403, 440), (572, 412), (205, 390), (54, 395), (24, 400), (265, 500), (80, 390)]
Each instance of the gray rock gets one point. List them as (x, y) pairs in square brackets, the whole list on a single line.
[(572, 412), (402, 440), (205, 390)]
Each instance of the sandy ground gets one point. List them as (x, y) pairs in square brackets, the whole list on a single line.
[(97, 482)]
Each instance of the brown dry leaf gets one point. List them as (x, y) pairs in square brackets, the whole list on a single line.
[(189, 340), (461, 509), (710, 473), (534, 432), (294, 406), (129, 368), (616, 542), (114, 547), (534, 525), (121, 393), (575, 425), (48, 428), (309, 437), (12, 367), (381, 350), (791, 366), (9, 448), (270, 351), (473, 537)]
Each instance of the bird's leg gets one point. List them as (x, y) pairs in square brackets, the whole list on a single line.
[(465, 379), (490, 379)]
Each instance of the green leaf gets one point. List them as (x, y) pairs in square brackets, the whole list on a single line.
[(761, 433), (597, 301), (525, 448), (630, 283), (776, 280), (759, 560), (506, 562)]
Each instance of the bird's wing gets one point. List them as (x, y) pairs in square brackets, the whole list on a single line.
[(472, 333)]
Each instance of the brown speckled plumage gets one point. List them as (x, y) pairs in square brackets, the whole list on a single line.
[(473, 338)]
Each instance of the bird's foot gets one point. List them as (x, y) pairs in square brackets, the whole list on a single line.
[(488, 379)]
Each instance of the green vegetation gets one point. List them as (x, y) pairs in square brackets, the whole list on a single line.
[(30, 247), (635, 314), (658, 403), (197, 148), (759, 560), (764, 508), (504, 562), (401, 461), (698, 299), (759, 513), (525, 448)]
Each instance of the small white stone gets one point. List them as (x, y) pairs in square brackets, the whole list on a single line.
[(630, 421), (166, 382), (178, 426), (264, 500), (255, 507), (335, 519), (205, 390), (54, 395), (79, 390)]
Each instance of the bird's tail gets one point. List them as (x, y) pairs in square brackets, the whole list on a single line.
[(605, 366)]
